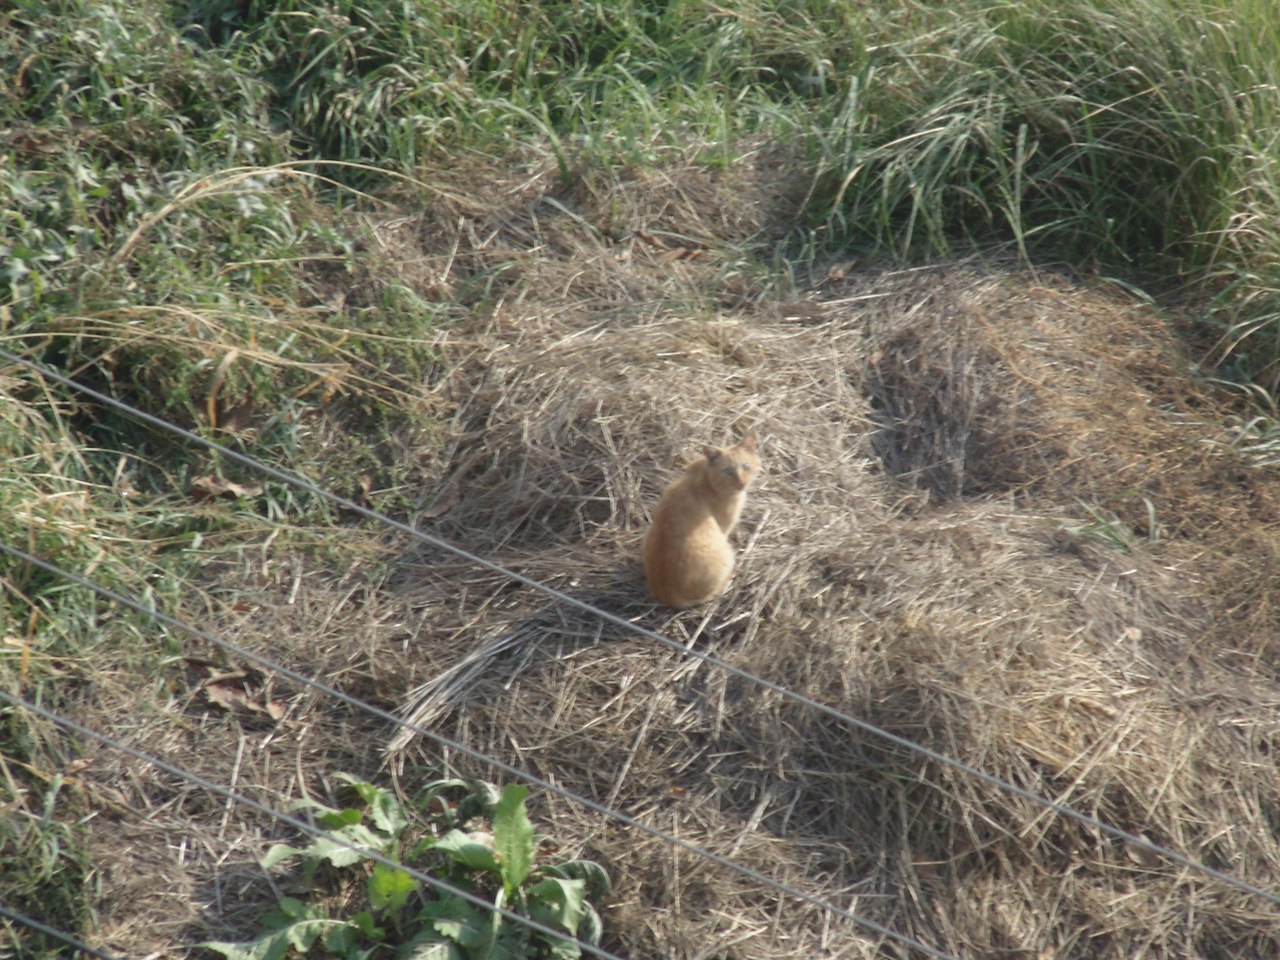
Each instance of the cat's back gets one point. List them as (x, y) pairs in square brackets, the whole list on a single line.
[(686, 500)]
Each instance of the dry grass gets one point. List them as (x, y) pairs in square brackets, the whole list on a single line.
[(919, 553)]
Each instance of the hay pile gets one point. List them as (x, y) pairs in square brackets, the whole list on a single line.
[(996, 517), (993, 519)]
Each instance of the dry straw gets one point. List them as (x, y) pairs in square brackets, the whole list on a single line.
[(997, 517)]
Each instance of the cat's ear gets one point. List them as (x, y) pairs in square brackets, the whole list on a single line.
[(749, 442), (711, 453)]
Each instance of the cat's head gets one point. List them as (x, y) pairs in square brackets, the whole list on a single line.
[(734, 467)]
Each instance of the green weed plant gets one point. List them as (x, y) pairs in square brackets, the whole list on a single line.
[(478, 840)]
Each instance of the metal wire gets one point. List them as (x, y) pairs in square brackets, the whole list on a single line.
[(49, 931), (304, 484), (298, 823), (475, 754)]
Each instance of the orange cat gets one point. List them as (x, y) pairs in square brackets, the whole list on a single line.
[(687, 556)]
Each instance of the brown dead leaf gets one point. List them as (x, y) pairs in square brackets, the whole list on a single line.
[(215, 385), (209, 487), (644, 236), (840, 269), (230, 698), (234, 698)]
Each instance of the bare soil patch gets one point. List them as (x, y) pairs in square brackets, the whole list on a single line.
[(997, 517)]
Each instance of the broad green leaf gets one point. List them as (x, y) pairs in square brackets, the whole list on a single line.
[(562, 949), (430, 790), (486, 946), (298, 935), (433, 805), (419, 848), (324, 848), (307, 803), (384, 805), (469, 850), (424, 948), (364, 922), (343, 940), (362, 787), (590, 929), (279, 852), (290, 910), (304, 933), (335, 820), (512, 943), (480, 801), (387, 813), (389, 887), (270, 947), (341, 855), (513, 838), (563, 898), (596, 878), (330, 818), (456, 919)]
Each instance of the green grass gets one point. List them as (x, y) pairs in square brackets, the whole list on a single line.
[(177, 184), (1138, 138)]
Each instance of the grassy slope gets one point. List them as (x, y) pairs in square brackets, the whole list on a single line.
[(157, 241)]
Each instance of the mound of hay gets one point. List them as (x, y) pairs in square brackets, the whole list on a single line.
[(997, 518), (992, 519)]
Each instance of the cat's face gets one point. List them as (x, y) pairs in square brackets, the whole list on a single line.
[(735, 466)]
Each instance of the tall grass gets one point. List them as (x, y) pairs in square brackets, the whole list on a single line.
[(154, 246), (1137, 137)]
